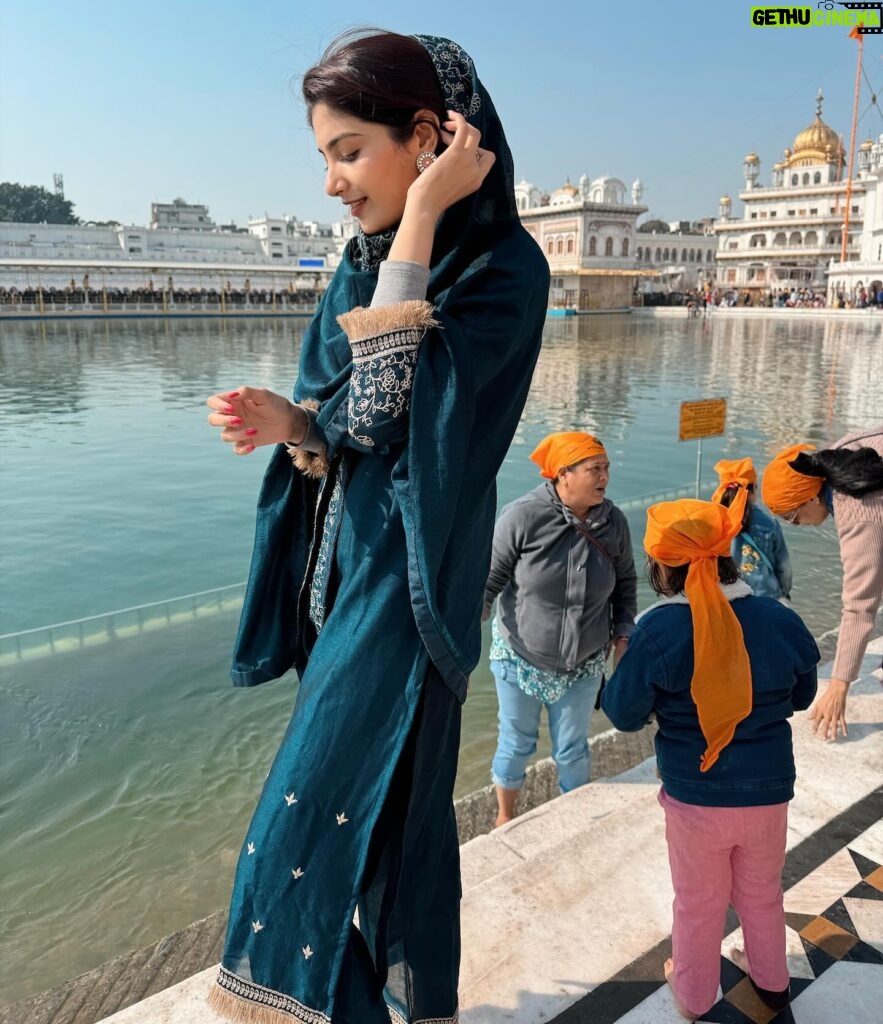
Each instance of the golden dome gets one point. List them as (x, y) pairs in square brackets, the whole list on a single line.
[(817, 137), (567, 189), (867, 145), (725, 201), (752, 158)]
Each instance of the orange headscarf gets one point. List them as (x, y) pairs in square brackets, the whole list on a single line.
[(740, 472), (784, 489), (697, 532), (567, 448)]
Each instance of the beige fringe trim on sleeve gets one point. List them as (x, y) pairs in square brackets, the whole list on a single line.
[(373, 321)]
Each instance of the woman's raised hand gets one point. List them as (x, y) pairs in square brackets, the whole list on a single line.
[(459, 171), (251, 417)]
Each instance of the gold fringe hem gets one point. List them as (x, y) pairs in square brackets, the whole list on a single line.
[(311, 464), (373, 321), (243, 1011)]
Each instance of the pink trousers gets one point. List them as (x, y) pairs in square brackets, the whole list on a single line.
[(718, 856)]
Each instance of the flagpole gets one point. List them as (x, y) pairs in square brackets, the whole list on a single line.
[(858, 75)]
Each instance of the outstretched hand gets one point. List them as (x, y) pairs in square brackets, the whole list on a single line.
[(252, 417), (828, 713)]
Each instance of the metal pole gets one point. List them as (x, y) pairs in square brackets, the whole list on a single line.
[(844, 242), (698, 466)]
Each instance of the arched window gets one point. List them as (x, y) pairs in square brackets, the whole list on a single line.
[(780, 239), (692, 255), (794, 179), (640, 253), (625, 247), (658, 255), (811, 238), (559, 246), (570, 245), (817, 178), (683, 255), (806, 179), (757, 241), (795, 239), (665, 255), (593, 246), (708, 256), (608, 247), (832, 238), (550, 246)]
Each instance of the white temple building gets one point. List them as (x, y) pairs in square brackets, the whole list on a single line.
[(792, 228), (846, 280), (587, 232)]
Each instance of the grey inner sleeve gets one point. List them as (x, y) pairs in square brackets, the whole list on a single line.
[(313, 441), (400, 281)]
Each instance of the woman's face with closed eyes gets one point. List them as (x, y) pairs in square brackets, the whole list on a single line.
[(367, 168)]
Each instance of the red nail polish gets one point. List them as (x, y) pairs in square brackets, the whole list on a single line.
[(229, 410), (250, 449), (236, 421), (233, 394), (251, 432)]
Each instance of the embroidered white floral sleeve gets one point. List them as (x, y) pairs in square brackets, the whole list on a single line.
[(385, 341)]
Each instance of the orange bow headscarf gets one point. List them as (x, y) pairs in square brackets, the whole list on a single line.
[(740, 472), (697, 532), (784, 489), (567, 448)]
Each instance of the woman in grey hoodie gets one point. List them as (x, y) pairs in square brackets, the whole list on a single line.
[(563, 570)]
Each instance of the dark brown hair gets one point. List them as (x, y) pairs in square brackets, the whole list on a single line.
[(729, 496), (852, 471), (677, 575), (376, 76)]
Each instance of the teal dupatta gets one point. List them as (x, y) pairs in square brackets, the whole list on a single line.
[(411, 563)]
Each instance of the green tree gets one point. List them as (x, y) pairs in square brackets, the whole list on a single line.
[(32, 204)]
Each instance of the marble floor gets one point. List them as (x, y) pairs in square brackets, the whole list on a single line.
[(834, 923)]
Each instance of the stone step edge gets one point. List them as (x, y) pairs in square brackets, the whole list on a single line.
[(136, 975)]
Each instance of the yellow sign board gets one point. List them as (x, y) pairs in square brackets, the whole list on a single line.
[(706, 418)]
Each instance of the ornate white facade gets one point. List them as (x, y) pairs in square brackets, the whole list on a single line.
[(792, 228), (587, 232), (681, 261), (847, 279)]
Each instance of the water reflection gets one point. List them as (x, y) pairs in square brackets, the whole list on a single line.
[(118, 759)]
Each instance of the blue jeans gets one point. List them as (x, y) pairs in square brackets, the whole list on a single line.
[(519, 718)]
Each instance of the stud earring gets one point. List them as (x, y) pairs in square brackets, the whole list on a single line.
[(424, 159)]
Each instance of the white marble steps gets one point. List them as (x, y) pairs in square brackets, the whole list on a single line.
[(565, 897)]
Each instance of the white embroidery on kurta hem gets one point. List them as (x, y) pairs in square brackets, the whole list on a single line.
[(290, 799), (250, 849), (257, 926), (342, 819), (307, 952), (249, 991), (297, 872)]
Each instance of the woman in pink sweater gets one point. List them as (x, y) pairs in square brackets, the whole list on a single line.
[(804, 487)]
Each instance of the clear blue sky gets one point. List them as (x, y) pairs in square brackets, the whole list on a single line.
[(136, 102)]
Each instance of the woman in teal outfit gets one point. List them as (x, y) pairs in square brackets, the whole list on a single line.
[(373, 540)]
